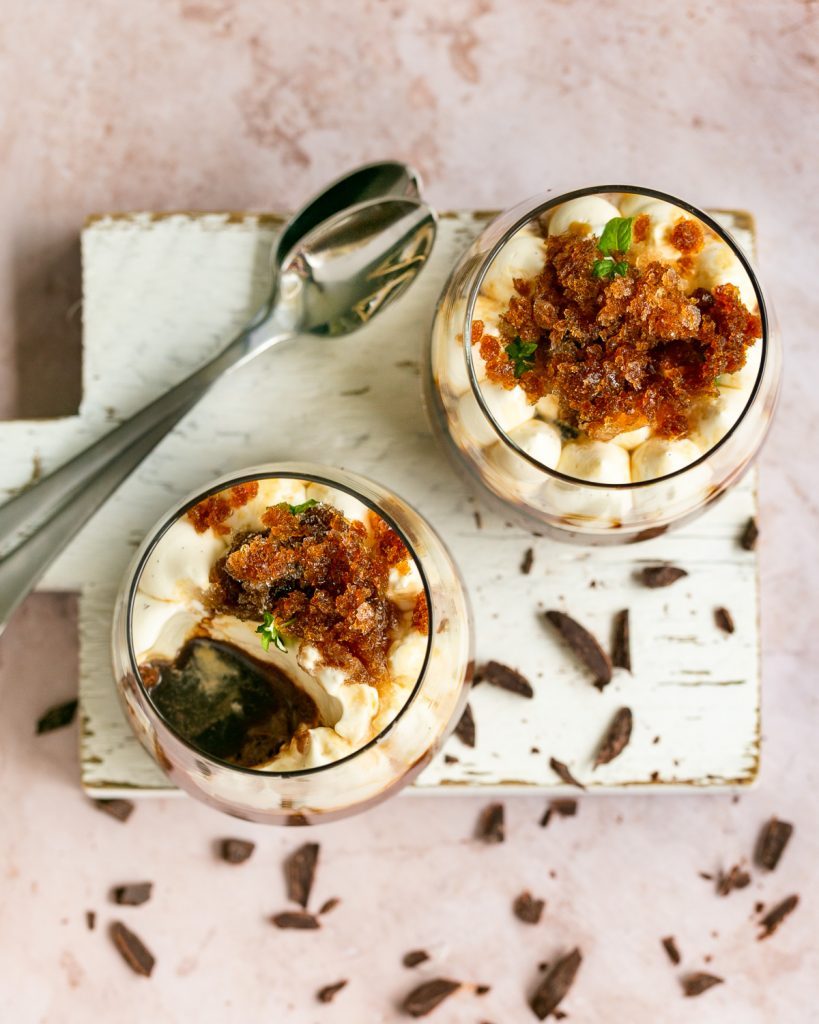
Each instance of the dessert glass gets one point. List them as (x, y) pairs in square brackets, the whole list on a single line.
[(379, 768), (496, 450)]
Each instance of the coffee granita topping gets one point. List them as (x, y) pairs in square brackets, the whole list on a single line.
[(213, 511)]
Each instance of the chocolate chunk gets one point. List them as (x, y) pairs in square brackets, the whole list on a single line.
[(616, 739), (299, 919), (670, 946), (426, 997), (119, 809), (724, 620), (565, 808), (527, 562), (774, 918), (329, 992), (482, 990), (699, 982), (133, 895), (132, 950), (528, 909), (736, 878), (584, 646), (329, 905), (57, 717), (299, 872), (90, 920), (491, 825), (554, 987), (236, 851), (661, 576), (563, 773), (465, 729), (621, 645), (772, 841), (496, 674), (451, 759), (749, 535), (414, 957)]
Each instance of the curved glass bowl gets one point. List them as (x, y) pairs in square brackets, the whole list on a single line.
[(382, 766), (543, 498)]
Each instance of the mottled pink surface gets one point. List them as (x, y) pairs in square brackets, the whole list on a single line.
[(217, 105)]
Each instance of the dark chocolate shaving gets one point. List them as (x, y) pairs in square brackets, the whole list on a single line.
[(736, 878), (91, 920), (772, 842), (564, 808), (132, 895), (451, 759), (414, 957), (774, 918), (132, 950), (670, 946), (699, 982), (299, 872), (661, 576), (528, 909), (621, 645), (554, 987), (616, 739), (749, 535), (527, 561), (724, 620), (496, 674), (236, 851), (491, 824), (329, 992), (57, 717), (465, 729), (298, 919), (563, 773), (329, 905), (119, 809), (426, 997), (584, 646)]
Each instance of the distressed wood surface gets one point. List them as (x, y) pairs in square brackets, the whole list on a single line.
[(162, 293)]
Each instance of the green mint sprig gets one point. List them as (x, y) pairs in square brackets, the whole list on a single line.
[(296, 510), (271, 632), (615, 239), (522, 354)]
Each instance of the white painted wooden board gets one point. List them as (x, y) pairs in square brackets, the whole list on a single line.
[(162, 293)]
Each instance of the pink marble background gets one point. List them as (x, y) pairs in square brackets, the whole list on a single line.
[(221, 105)]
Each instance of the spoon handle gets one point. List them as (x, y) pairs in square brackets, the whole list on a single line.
[(37, 524)]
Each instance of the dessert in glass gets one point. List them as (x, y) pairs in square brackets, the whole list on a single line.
[(604, 363), (292, 644)]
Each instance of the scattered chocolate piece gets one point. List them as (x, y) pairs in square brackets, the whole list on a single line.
[(329, 992), (119, 809), (534, 750), (616, 739), (528, 909), (426, 997), (132, 950), (451, 759), (564, 808), (329, 905), (699, 982), (527, 561), (91, 920), (661, 575), (133, 895), (772, 841), (621, 646), (236, 851), (57, 717), (655, 776), (465, 729), (774, 918), (482, 990), (724, 620), (759, 906), (706, 876), (554, 987), (496, 674), (478, 519), (299, 919), (749, 535), (736, 878), (670, 946), (563, 773), (491, 824), (414, 957), (299, 872), (584, 646)]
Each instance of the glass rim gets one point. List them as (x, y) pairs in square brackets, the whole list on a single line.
[(534, 208), (286, 471)]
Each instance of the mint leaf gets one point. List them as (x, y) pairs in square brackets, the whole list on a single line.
[(298, 509), (621, 268), (603, 268), (522, 354), (270, 631), (616, 236)]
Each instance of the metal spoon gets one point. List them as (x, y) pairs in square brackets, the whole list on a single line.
[(340, 275)]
